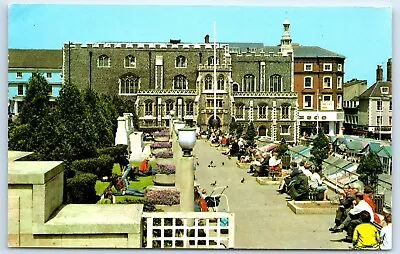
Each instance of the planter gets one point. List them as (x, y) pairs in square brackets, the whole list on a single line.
[(161, 139), (268, 180), (158, 150), (243, 165), (164, 160), (312, 207), (164, 180)]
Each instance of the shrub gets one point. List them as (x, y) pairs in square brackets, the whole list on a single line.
[(114, 151), (162, 196), (164, 154), (81, 189), (164, 169), (162, 133), (161, 145), (101, 166)]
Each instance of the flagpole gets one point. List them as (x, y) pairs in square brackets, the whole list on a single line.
[(215, 78)]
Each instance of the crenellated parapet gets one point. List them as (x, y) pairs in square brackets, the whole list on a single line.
[(190, 92), (257, 56), (266, 94), (144, 45)]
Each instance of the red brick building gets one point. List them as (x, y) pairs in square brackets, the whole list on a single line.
[(318, 80)]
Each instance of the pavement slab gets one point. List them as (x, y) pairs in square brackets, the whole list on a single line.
[(263, 219)]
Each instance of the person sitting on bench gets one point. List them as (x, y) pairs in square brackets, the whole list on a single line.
[(316, 182), (274, 163)]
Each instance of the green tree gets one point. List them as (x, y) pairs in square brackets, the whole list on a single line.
[(239, 130), (75, 139), (250, 133), (369, 169), (320, 149), (97, 112), (26, 133), (233, 125), (282, 148)]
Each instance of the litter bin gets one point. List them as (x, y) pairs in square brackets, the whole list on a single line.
[(379, 200)]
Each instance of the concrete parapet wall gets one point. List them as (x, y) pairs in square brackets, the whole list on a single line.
[(37, 217)]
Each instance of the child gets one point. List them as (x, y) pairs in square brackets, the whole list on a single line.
[(365, 235)]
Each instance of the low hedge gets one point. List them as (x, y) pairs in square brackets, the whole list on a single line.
[(80, 189), (114, 151), (101, 166)]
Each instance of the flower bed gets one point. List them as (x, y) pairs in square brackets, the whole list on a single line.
[(162, 196), (162, 133), (164, 154), (161, 145), (161, 136), (164, 169)]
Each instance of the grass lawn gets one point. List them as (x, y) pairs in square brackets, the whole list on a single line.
[(144, 181)]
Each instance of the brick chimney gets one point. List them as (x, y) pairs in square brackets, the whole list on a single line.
[(379, 73), (389, 70), (207, 39)]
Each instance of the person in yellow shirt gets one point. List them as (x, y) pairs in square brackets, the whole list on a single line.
[(365, 235)]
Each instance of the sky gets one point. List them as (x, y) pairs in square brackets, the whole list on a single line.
[(362, 34)]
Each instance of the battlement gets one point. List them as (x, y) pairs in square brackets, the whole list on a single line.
[(261, 54), (145, 45)]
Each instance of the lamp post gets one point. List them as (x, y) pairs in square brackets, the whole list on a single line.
[(171, 124), (177, 152), (187, 140)]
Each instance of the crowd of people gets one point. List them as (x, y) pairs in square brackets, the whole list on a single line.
[(357, 216)]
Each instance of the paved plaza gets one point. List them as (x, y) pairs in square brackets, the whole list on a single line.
[(263, 220)]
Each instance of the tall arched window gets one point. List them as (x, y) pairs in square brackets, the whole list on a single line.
[(180, 82), (103, 61), (208, 83), (210, 60), (235, 87), (181, 62), (148, 108), (130, 62), (189, 107), (221, 81), (129, 84), (262, 111), (239, 111), (169, 105), (275, 83), (285, 111), (249, 83)]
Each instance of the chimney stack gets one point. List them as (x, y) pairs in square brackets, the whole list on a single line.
[(207, 39), (389, 70), (379, 73)]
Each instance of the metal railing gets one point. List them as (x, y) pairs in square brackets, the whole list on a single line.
[(189, 230)]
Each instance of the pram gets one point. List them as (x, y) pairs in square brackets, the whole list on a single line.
[(213, 200)]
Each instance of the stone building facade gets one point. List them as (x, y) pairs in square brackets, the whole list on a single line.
[(251, 85)]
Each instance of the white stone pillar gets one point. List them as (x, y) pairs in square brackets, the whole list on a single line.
[(136, 145), (121, 137), (187, 185)]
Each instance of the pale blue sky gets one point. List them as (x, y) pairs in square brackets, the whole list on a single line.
[(363, 35)]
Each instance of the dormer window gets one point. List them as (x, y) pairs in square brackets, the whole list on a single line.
[(385, 90)]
